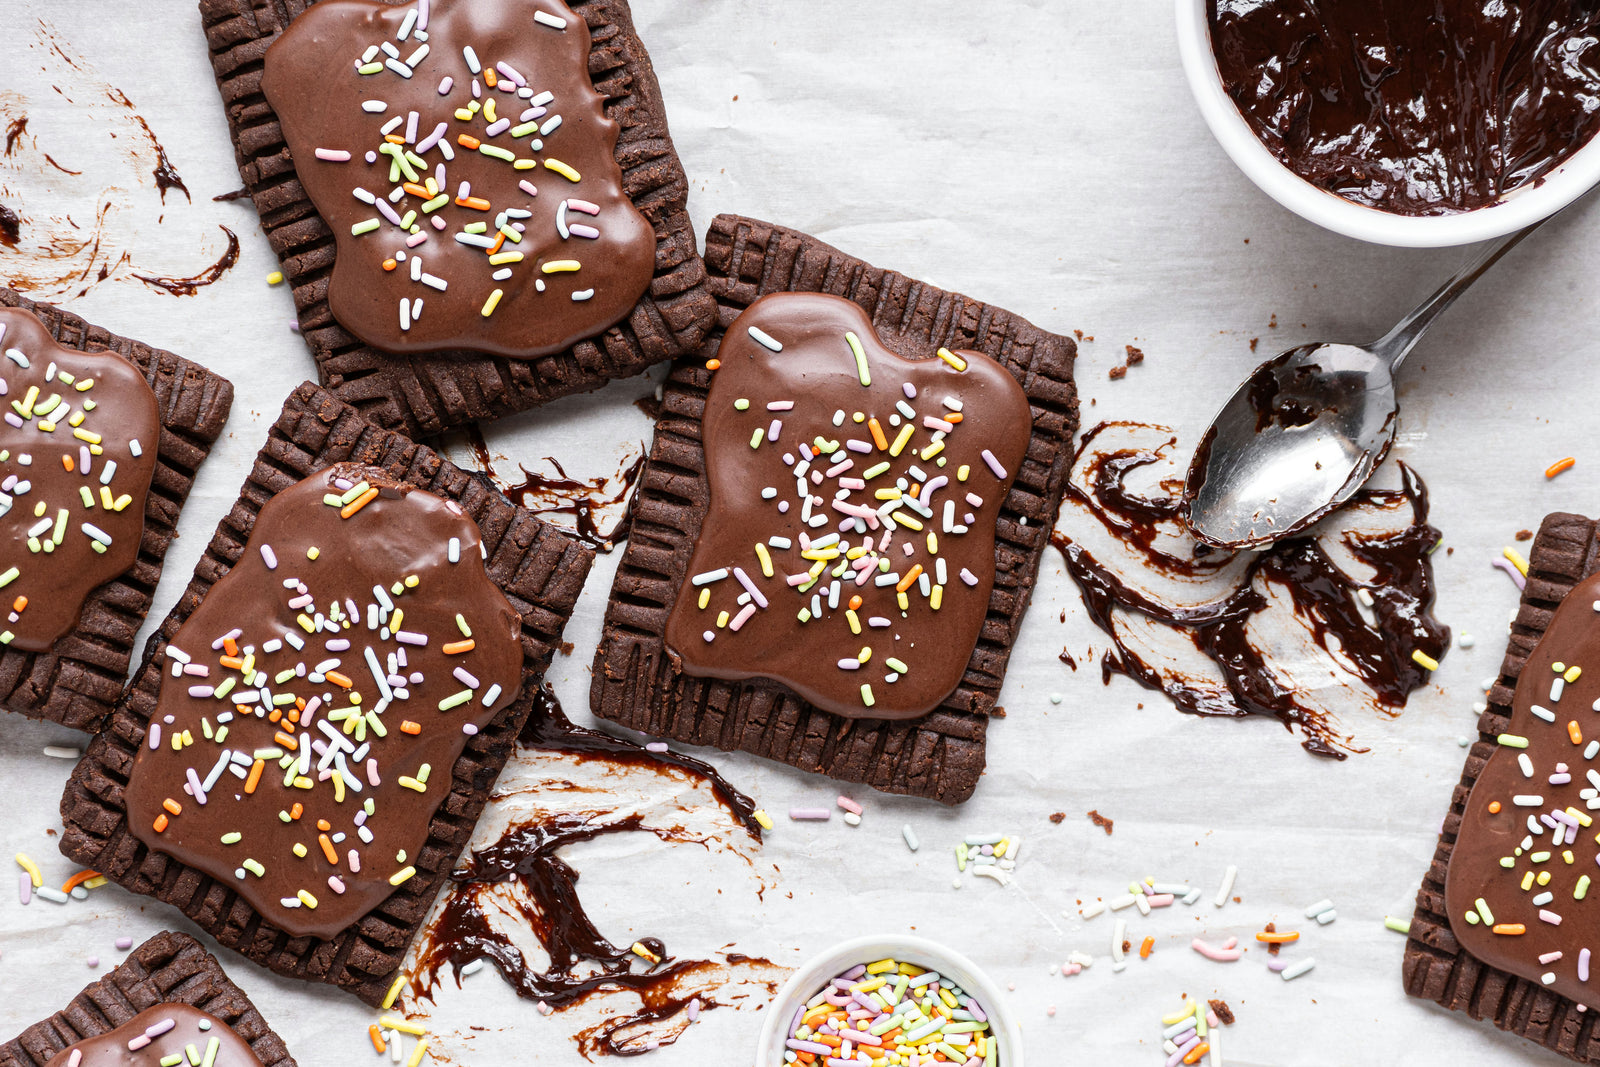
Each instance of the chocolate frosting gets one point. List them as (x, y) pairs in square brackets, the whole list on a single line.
[(156, 1033), (1558, 724), (922, 625), (331, 809), (1414, 107), (555, 125), (76, 423)]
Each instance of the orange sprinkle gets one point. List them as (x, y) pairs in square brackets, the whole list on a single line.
[(78, 879), (877, 434), (231, 647), (416, 190), (389, 264), (160, 825), (1494, 807), (409, 727), (293, 717), (324, 825), (714, 364), (855, 603), (327, 849), (1279, 939), (19, 604), (1574, 732), (910, 578), (358, 503), (298, 810), (254, 780), (1510, 928), (339, 680), (457, 647), (489, 77), (1195, 1053), (1558, 466), (172, 806), (1145, 949), (231, 662), (286, 741), (276, 716), (66, 461), (499, 240), (476, 203), (466, 140), (952, 417), (377, 1037), (394, 138)]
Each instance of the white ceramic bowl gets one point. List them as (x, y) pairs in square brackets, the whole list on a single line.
[(1522, 208), (822, 968)]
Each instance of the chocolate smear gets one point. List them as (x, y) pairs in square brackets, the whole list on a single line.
[(193, 284)]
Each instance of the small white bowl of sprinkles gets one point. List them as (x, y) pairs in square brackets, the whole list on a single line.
[(905, 993)]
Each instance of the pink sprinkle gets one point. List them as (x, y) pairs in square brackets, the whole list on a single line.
[(269, 557), (849, 805), (968, 577), (528, 187), (333, 155), (201, 690), (1212, 952), (160, 1028), (1550, 957), (1212, 1020), (138, 1043), (1071, 969), (335, 883), (24, 887), (372, 772), (583, 206), (1160, 900), (444, 86), (743, 617), (198, 670), (1550, 917), (422, 16), (302, 601), (694, 1009), (1277, 965), (1583, 965), (810, 814), (579, 230), (656, 746), (780, 405), (124, 943), (468, 729), (355, 861), (155, 735)]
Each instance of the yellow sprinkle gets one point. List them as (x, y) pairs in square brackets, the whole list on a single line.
[(933, 543), (562, 169), (275, 278), (936, 598), (900, 440), (32, 868), (722, 619), (639, 949), (390, 1022), (705, 598), (500, 259), (864, 655), (492, 303), (962, 472), (401, 875), (559, 266), (417, 1053), (854, 619), (86, 435), (1423, 660), (394, 991), (951, 358), (1572, 675), (762, 818), (903, 600), (1527, 881), (766, 560), (307, 899), (881, 966), (1516, 559)]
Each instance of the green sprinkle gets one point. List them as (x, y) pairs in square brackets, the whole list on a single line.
[(1512, 741), (1581, 890), (455, 700), (896, 666), (874, 470), (88, 497), (525, 129), (225, 688), (377, 723), (497, 152), (755, 438), (805, 615), (866, 695), (8, 577), (461, 624), (436, 203), (1483, 911), (423, 772), (370, 68), (232, 838), (475, 227), (1508, 862), (1399, 926), (254, 868), (211, 1052), (861, 358), (370, 807), (205, 727), (741, 404), (333, 501), (1539, 857), (172, 1060), (283, 676), (364, 227)]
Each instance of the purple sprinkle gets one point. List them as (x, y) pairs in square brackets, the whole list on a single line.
[(161, 1027), (1516, 575), (124, 943), (338, 644), (656, 746), (155, 735), (444, 86), (433, 138), (201, 690), (497, 127), (1277, 965), (386, 211), (269, 557), (750, 587), (196, 788), (994, 464), (810, 814), (511, 72), (406, 637), (465, 679), (94, 961), (24, 887), (468, 729), (1583, 965)]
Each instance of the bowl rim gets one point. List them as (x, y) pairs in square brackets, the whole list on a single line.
[(817, 970), (1521, 208)]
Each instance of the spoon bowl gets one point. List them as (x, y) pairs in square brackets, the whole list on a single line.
[(1293, 443)]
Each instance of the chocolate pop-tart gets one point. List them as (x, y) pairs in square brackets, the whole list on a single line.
[(839, 526), (317, 725), (168, 1004), (99, 445), (1507, 923), (477, 201)]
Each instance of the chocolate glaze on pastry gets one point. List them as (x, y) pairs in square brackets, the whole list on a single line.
[(157, 1033), (848, 545), (1417, 107), (328, 684), (1537, 828), (487, 101), (77, 452)]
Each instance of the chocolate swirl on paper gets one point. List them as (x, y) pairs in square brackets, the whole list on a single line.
[(464, 161), (167, 1035), (848, 546), (320, 695), (77, 454)]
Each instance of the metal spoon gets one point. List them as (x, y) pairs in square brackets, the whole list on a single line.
[(1308, 428)]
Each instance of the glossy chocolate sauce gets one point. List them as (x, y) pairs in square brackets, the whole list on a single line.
[(563, 495), (193, 284), (15, 129), (1417, 107), (582, 961), (160, 1033), (10, 227), (1324, 598)]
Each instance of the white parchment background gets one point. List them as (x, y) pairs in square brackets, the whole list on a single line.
[(1046, 156)]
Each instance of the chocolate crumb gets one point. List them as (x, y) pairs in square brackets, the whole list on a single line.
[(1135, 355), (1253, 342), (1273, 948), (1057, 817), (1524, 535), (566, 648), (1118, 372), (1224, 1012), (1102, 822)]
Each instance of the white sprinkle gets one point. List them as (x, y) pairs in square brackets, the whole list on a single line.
[(764, 339), (1298, 969), (374, 107), (472, 60), (546, 19), (581, 295), (1226, 889), (61, 752), (911, 837)]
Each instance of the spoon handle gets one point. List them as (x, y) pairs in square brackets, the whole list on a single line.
[(1397, 344)]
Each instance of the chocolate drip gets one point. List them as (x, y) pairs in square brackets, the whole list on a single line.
[(191, 285), (550, 907), (1414, 108), (10, 227), (15, 129), (1324, 598)]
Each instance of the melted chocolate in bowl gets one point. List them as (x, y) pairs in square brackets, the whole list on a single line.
[(1415, 107)]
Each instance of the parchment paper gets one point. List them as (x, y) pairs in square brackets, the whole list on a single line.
[(1047, 156)]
